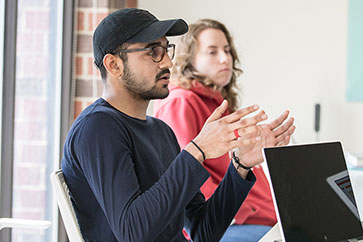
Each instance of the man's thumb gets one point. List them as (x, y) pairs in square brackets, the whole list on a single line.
[(218, 112)]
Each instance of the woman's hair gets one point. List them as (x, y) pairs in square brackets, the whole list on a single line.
[(183, 69)]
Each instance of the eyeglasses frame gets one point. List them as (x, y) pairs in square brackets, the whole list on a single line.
[(151, 48)]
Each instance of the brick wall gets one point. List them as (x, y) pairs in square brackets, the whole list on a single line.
[(88, 80)]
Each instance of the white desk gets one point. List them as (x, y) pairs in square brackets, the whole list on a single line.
[(356, 178), (273, 235)]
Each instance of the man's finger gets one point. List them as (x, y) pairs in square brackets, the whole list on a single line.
[(277, 122), (218, 112), (244, 142), (240, 113), (287, 133), (284, 142), (284, 127), (247, 132), (246, 122)]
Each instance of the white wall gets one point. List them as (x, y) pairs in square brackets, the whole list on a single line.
[(293, 53)]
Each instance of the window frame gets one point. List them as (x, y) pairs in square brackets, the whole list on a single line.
[(7, 112)]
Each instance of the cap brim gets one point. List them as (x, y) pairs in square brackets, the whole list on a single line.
[(159, 29)]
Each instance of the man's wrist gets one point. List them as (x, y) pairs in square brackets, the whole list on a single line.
[(195, 152), (241, 169), (237, 160)]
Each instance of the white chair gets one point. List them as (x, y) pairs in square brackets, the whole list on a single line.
[(63, 200), (23, 223)]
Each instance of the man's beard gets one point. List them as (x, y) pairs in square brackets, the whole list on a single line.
[(137, 88)]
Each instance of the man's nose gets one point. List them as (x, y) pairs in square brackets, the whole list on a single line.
[(165, 62)]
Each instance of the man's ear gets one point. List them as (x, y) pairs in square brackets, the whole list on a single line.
[(113, 65)]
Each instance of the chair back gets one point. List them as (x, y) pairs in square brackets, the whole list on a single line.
[(66, 209)]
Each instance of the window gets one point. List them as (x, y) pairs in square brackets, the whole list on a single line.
[(36, 89), (32, 33)]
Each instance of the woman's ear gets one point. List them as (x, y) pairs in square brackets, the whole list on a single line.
[(113, 65)]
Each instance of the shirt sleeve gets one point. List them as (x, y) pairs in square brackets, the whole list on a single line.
[(107, 163), (207, 221)]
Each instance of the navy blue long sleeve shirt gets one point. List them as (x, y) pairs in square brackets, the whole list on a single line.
[(130, 182)]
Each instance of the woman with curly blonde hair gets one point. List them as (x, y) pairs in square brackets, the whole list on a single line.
[(184, 71), (204, 74)]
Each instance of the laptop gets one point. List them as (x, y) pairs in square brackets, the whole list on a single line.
[(312, 192)]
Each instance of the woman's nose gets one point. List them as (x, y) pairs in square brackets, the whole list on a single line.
[(223, 57)]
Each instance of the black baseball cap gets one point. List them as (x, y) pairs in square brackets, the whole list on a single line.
[(131, 25)]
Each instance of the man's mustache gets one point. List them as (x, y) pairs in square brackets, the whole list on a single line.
[(160, 74)]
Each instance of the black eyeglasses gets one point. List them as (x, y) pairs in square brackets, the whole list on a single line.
[(157, 52)]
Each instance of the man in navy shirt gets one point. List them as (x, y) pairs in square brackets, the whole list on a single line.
[(128, 179)]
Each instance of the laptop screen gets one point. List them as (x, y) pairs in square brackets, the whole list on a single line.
[(313, 193)]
